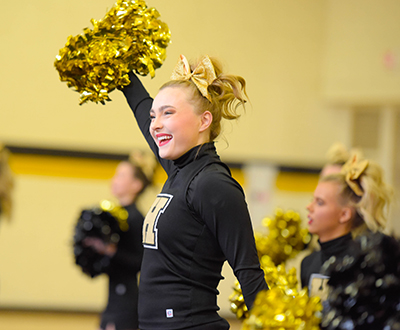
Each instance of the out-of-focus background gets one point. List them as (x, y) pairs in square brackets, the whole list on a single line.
[(318, 72)]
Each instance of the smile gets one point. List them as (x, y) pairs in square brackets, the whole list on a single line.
[(163, 139)]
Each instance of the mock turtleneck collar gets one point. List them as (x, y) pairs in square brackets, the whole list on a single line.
[(195, 153), (336, 245)]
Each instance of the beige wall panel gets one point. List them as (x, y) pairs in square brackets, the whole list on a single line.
[(37, 267), (276, 46), (362, 54)]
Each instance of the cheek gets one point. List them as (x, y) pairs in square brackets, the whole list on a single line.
[(320, 213)]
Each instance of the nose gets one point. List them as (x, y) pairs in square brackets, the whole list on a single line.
[(309, 207), (155, 124)]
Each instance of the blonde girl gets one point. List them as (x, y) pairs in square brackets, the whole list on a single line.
[(344, 205), (200, 219)]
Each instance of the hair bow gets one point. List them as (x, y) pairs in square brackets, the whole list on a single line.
[(202, 76), (352, 170), (146, 162)]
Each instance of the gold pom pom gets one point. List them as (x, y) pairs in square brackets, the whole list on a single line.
[(281, 307), (238, 305), (129, 37), (274, 310), (285, 237)]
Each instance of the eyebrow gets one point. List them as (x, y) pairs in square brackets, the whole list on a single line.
[(163, 108)]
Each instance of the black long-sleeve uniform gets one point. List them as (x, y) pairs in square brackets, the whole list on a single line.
[(124, 266), (199, 220), (311, 265)]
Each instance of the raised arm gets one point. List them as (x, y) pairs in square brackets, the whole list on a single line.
[(140, 103)]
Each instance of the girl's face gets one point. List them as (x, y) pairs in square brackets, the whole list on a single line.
[(327, 218), (175, 126), (124, 183)]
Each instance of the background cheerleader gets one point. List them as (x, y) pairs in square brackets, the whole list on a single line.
[(345, 204), (129, 182)]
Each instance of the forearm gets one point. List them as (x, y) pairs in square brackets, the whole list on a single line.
[(140, 103)]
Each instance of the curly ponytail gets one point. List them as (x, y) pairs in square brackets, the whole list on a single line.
[(372, 208)]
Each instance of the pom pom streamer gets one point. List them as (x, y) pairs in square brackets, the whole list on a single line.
[(276, 277), (275, 310), (129, 37), (105, 222), (283, 306)]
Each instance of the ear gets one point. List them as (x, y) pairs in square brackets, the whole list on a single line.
[(206, 120), (346, 215)]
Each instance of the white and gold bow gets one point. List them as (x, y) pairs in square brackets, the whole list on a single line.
[(352, 170), (202, 76)]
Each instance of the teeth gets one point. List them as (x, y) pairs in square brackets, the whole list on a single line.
[(164, 137)]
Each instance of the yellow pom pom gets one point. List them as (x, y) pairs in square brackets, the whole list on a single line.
[(275, 309), (129, 37), (285, 237)]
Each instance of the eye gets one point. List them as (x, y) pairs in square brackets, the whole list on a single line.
[(152, 116)]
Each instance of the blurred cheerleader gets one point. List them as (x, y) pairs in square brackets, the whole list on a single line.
[(130, 180), (345, 204)]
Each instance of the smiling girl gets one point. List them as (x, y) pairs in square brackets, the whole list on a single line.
[(344, 205), (200, 219)]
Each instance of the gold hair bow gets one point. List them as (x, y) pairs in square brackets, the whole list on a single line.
[(146, 161), (202, 76), (353, 169)]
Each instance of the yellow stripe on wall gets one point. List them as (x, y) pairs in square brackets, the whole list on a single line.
[(80, 167), (297, 181), (103, 169), (62, 166)]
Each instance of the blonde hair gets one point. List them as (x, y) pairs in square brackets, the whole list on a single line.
[(338, 154), (228, 93), (372, 207)]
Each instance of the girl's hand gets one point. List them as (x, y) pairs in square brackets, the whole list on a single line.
[(100, 247)]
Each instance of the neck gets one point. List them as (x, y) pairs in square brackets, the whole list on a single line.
[(327, 238), (126, 200)]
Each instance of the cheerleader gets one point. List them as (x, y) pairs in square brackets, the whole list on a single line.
[(346, 204), (200, 219), (130, 180)]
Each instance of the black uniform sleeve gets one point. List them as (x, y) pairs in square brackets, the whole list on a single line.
[(140, 103), (220, 203)]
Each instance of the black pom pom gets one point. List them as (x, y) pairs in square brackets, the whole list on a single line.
[(94, 223), (365, 287)]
